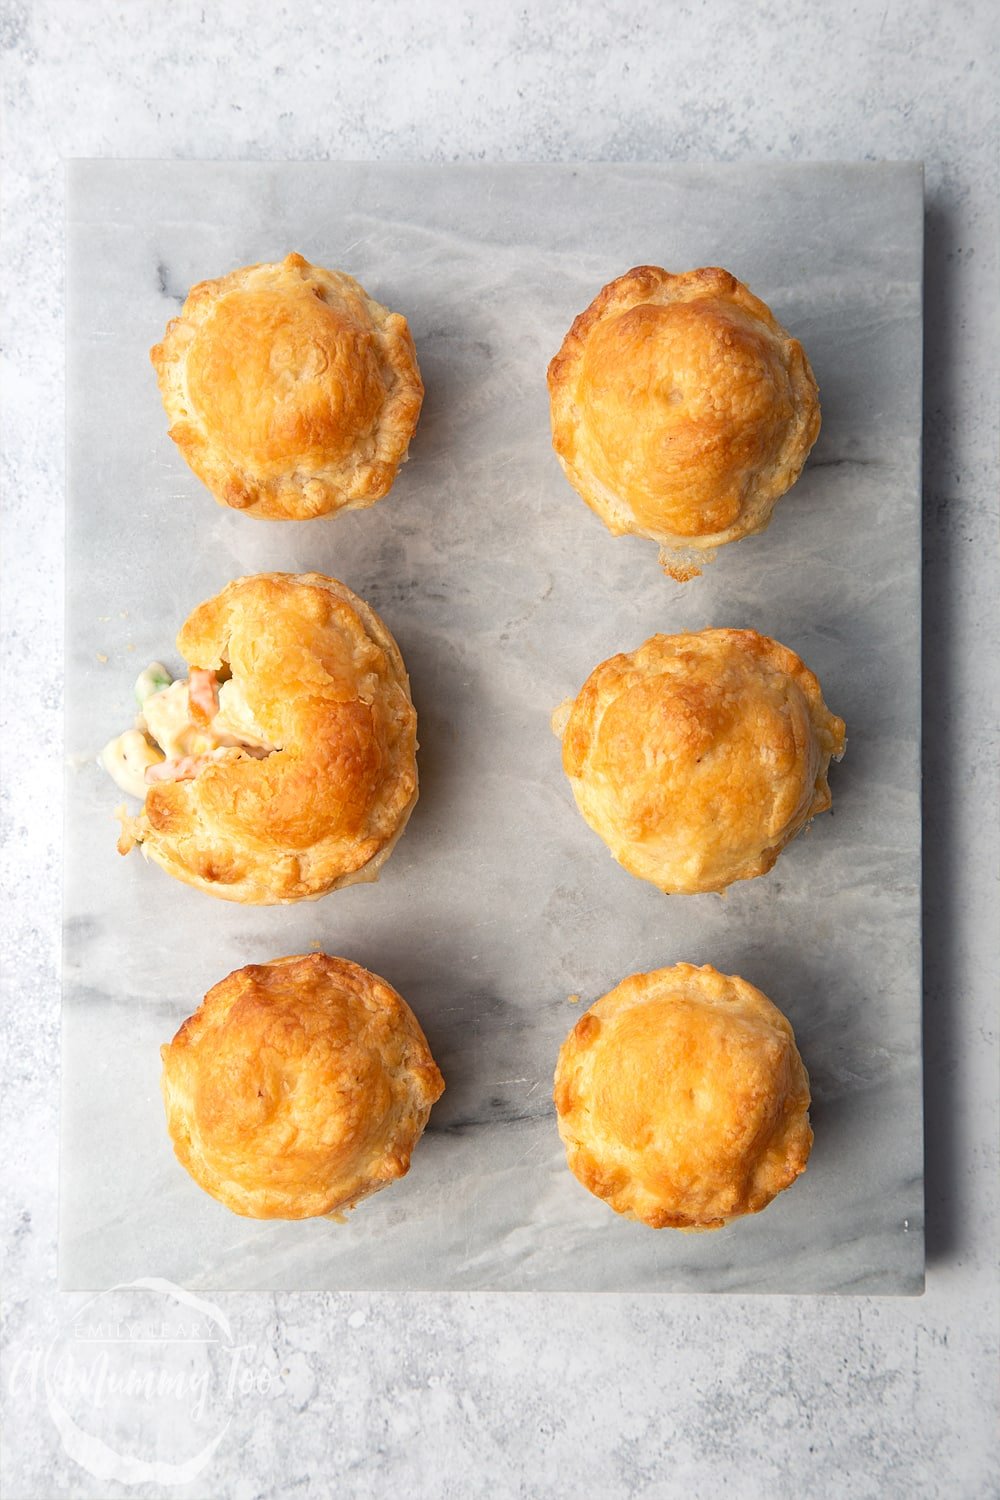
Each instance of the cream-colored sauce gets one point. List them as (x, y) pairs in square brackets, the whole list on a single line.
[(151, 680), (126, 758), (167, 717), (165, 730)]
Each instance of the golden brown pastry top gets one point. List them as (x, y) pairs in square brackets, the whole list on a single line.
[(681, 410), (298, 1087), (290, 391), (682, 1099), (326, 685), (699, 756)]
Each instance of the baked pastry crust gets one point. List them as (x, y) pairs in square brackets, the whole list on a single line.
[(682, 410), (298, 1088), (699, 756), (290, 391), (682, 1099), (325, 681)]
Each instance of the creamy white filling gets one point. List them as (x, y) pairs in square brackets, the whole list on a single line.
[(127, 758), (166, 717), (151, 680), (166, 734)]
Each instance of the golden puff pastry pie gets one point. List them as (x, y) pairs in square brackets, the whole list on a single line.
[(682, 411), (290, 391), (298, 1088), (682, 1099), (698, 757), (284, 766)]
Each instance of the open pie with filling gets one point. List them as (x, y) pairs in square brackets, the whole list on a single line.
[(284, 765)]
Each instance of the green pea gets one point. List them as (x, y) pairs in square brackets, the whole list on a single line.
[(153, 680)]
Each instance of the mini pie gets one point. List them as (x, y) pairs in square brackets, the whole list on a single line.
[(698, 757), (298, 1088), (682, 1099), (285, 766), (290, 391), (682, 411)]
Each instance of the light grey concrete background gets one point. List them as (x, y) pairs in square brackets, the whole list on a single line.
[(564, 1396)]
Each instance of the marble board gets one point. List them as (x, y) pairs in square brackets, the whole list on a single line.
[(503, 591)]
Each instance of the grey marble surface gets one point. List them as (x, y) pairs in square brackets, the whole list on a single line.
[(503, 592), (554, 1394)]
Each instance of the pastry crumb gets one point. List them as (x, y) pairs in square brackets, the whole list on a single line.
[(572, 999), (101, 657)]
